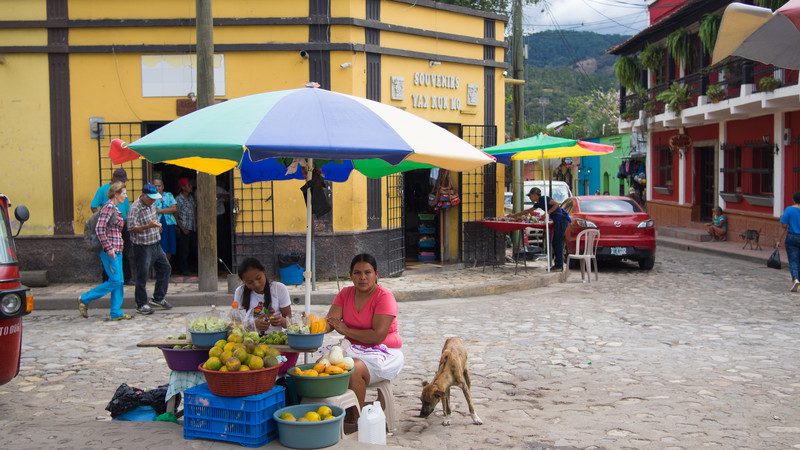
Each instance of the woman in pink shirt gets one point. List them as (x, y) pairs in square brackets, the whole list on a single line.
[(366, 315)]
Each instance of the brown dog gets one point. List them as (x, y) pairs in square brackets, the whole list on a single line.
[(453, 371)]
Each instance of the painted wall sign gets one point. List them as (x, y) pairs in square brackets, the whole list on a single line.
[(175, 75), (444, 101)]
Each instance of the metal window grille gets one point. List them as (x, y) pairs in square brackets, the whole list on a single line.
[(252, 220), (478, 200), (732, 177), (138, 170), (664, 168), (395, 248)]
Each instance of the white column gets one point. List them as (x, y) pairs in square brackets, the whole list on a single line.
[(779, 124), (682, 176), (723, 137), (648, 167)]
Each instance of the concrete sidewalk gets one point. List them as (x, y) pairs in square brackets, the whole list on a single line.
[(730, 248), (424, 283)]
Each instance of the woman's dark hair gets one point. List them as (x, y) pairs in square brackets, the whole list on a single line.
[(244, 266), (364, 257), (796, 197), (718, 210)]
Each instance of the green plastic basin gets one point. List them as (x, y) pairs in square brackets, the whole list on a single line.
[(309, 434), (318, 387)]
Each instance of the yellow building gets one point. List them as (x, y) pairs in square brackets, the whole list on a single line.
[(78, 73)]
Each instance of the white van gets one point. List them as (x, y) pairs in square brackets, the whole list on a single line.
[(561, 190)]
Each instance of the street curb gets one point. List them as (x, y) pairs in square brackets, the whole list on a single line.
[(536, 280), (687, 247)]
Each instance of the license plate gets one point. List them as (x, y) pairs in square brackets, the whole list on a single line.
[(619, 251)]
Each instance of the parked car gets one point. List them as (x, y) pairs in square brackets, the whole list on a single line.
[(626, 231), (508, 202)]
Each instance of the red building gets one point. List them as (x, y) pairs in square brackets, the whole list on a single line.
[(735, 140)]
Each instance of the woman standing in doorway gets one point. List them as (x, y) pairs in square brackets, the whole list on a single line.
[(166, 209)]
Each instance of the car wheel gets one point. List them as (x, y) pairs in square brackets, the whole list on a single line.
[(647, 263)]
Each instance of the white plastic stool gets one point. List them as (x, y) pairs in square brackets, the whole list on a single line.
[(387, 399), (344, 401)]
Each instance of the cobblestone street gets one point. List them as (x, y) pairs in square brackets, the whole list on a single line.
[(700, 352)]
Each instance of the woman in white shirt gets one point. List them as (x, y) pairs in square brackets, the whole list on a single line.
[(267, 301)]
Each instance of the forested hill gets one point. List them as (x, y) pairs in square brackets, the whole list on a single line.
[(566, 48)]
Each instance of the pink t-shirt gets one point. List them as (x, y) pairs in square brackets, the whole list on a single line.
[(380, 302)]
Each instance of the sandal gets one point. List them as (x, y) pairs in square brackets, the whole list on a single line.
[(122, 317), (83, 308)]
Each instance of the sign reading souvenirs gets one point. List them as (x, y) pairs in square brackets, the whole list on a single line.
[(439, 82)]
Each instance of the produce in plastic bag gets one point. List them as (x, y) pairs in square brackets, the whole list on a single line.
[(207, 322), (311, 324)]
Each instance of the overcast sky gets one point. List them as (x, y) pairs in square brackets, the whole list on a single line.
[(601, 16)]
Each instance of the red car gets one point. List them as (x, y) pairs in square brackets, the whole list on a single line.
[(626, 231)]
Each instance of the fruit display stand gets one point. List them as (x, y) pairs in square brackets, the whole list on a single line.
[(248, 420)]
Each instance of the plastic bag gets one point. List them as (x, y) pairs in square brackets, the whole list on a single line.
[(127, 398), (209, 321), (774, 260), (243, 320)]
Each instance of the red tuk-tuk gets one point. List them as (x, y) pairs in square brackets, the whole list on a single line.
[(15, 299)]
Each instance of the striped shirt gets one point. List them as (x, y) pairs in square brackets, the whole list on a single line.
[(109, 228), (142, 215), (186, 211)]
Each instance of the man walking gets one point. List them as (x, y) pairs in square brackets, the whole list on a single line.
[(147, 252), (100, 199)]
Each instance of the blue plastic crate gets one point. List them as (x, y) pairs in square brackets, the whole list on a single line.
[(427, 243), (242, 420), (426, 230), (426, 258)]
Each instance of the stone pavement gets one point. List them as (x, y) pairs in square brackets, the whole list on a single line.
[(423, 282), (699, 352)]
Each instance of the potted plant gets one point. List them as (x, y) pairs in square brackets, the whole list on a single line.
[(678, 45), (628, 116), (709, 27), (768, 84), (651, 57), (715, 93), (627, 70), (677, 97)]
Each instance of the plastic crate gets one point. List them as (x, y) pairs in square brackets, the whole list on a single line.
[(426, 230), (426, 257), (242, 420), (426, 216), (427, 243)]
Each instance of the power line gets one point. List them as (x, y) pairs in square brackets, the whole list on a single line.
[(566, 44), (609, 18)]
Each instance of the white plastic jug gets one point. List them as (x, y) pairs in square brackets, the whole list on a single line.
[(372, 424)]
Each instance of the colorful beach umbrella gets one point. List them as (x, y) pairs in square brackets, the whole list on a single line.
[(543, 146), (307, 123), (759, 34)]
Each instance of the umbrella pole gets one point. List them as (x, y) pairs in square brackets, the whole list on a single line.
[(546, 217), (307, 272)]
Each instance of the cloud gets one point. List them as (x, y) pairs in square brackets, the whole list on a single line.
[(601, 16)]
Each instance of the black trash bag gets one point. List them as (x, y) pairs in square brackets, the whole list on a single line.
[(289, 259), (774, 261), (127, 398), (320, 194)]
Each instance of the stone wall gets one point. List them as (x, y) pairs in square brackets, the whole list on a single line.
[(65, 258)]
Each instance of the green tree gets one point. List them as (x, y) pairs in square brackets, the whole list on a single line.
[(596, 114)]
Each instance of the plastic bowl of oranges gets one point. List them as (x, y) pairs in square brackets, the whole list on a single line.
[(313, 425), (317, 381)]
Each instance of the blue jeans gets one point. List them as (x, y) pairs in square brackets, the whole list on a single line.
[(559, 228), (792, 244), (114, 284), (145, 257)]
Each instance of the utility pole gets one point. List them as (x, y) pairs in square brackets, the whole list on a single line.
[(206, 183), (518, 107)]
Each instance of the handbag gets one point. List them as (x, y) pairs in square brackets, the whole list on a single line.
[(774, 260)]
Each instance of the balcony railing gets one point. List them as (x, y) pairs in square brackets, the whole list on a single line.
[(730, 76)]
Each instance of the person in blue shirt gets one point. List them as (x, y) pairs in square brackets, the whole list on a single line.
[(791, 229), (166, 209), (100, 198)]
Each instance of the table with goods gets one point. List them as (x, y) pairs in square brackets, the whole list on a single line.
[(228, 374), (503, 225)]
